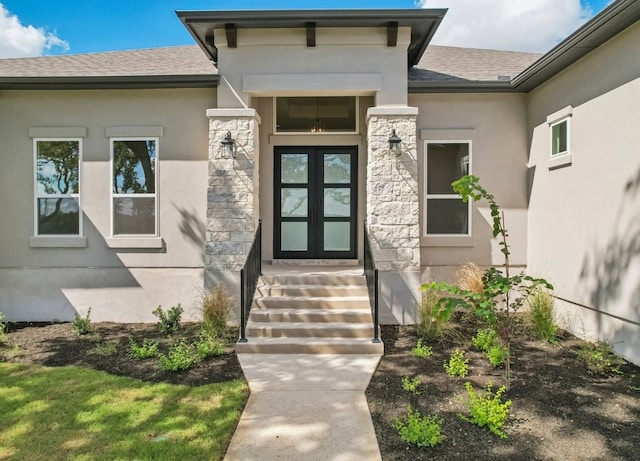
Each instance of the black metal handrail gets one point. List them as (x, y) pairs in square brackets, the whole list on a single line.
[(249, 275), (373, 284)]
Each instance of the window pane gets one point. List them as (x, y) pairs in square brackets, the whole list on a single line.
[(337, 168), (294, 168), (294, 202), (447, 216), (134, 165), (294, 236), (337, 236), (559, 138), (57, 167), (446, 163), (337, 202), (58, 216), (134, 215), (316, 114)]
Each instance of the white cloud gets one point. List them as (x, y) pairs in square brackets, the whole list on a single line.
[(17, 40), (518, 25)]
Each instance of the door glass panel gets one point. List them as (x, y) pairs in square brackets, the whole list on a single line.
[(294, 202), (294, 236), (337, 168), (337, 202), (294, 168), (337, 236)]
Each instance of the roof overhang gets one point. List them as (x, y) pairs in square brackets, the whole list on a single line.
[(470, 86), (423, 24), (610, 22), (109, 82)]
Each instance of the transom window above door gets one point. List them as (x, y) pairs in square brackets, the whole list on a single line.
[(311, 114)]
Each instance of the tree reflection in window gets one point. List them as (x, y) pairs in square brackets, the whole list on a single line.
[(134, 187), (57, 177)]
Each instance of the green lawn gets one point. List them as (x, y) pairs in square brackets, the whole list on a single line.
[(72, 413)]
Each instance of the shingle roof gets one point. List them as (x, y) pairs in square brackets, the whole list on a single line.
[(451, 64), (177, 60)]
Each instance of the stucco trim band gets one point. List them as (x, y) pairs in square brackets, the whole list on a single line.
[(137, 131), (58, 132)]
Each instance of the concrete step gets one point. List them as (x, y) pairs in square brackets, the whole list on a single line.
[(314, 279), (309, 330), (311, 315), (310, 346), (311, 302), (312, 290)]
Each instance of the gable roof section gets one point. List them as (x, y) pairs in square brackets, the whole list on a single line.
[(446, 69), (423, 23), (172, 67)]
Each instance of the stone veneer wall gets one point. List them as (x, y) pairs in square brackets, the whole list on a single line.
[(392, 189), (232, 195)]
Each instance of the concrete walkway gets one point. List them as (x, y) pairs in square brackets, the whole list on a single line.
[(306, 407)]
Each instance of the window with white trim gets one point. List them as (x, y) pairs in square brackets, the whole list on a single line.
[(560, 137), (134, 175), (445, 212), (57, 186)]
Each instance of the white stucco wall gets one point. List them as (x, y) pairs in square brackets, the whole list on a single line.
[(496, 126), (584, 218), (277, 62), (120, 284)]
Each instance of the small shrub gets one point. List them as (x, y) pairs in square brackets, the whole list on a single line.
[(169, 321), (599, 358), (105, 349), (146, 350), (423, 431), (469, 278), (217, 305), (542, 315), (497, 355), (3, 327), (434, 321), (487, 410), (181, 356), (411, 385), (82, 325), (485, 339), (457, 365), (209, 346), (422, 350)]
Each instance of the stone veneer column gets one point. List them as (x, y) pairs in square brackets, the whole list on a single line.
[(232, 195), (393, 211), (392, 189)]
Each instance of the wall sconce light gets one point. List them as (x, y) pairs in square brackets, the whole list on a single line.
[(228, 145), (394, 142)]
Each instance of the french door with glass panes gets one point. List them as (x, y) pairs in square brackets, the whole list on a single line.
[(315, 202)]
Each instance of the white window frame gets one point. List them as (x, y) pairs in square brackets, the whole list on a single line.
[(311, 133), (452, 196), (567, 141), (564, 158), (43, 238), (125, 239)]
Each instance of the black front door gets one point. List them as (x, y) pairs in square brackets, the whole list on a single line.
[(315, 202)]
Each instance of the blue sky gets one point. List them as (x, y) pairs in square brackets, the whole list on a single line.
[(80, 26)]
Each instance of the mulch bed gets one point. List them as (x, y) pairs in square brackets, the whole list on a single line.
[(58, 345), (559, 410)]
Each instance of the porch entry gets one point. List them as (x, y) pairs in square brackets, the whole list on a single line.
[(315, 202)]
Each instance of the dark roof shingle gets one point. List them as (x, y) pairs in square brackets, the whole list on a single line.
[(177, 60)]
